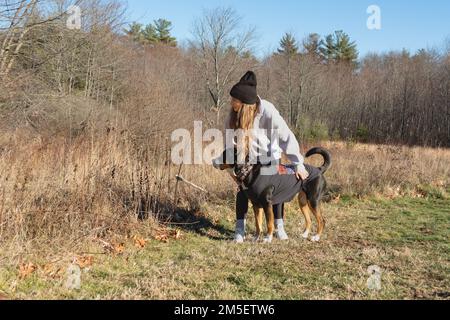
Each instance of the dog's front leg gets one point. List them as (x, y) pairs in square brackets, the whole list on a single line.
[(270, 221), (258, 222)]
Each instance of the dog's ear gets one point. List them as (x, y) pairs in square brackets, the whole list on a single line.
[(225, 161), (219, 161)]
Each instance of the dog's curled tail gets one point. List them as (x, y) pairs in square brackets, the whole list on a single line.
[(326, 156)]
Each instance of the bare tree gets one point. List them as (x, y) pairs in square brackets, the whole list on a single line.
[(15, 19), (221, 48), (18, 19)]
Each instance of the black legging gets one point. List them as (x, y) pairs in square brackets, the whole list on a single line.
[(242, 207)]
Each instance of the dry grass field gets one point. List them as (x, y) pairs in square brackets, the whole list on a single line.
[(107, 205)]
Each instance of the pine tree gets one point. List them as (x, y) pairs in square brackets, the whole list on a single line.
[(288, 45), (338, 48), (163, 28), (288, 51), (311, 45), (156, 32), (149, 34), (135, 32), (328, 49), (345, 49)]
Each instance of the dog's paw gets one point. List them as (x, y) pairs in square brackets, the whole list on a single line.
[(305, 235), (268, 239), (315, 238)]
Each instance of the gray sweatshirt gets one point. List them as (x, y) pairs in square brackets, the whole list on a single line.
[(272, 136)]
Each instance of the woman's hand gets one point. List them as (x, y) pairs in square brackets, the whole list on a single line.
[(302, 174)]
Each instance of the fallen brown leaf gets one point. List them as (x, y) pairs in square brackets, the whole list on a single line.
[(162, 237), (26, 269), (50, 270), (139, 242), (84, 261), (119, 248), (165, 235), (337, 199)]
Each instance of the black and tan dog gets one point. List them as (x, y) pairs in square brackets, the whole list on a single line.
[(264, 190)]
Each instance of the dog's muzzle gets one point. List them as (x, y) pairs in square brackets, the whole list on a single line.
[(217, 164)]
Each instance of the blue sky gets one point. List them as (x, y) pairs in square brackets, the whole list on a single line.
[(405, 24)]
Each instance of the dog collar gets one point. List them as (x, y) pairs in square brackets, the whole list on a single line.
[(243, 174)]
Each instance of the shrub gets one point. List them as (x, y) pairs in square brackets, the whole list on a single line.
[(309, 131), (362, 134)]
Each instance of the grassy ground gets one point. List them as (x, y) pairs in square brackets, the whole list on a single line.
[(407, 238)]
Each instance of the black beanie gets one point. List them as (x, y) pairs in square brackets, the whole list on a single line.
[(245, 90)]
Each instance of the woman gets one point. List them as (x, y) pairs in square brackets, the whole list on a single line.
[(251, 113)]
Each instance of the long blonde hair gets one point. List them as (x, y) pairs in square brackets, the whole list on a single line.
[(244, 120)]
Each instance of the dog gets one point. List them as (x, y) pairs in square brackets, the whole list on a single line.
[(265, 190)]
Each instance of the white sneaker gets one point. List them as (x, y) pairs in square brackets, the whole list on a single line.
[(280, 233), (239, 236)]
